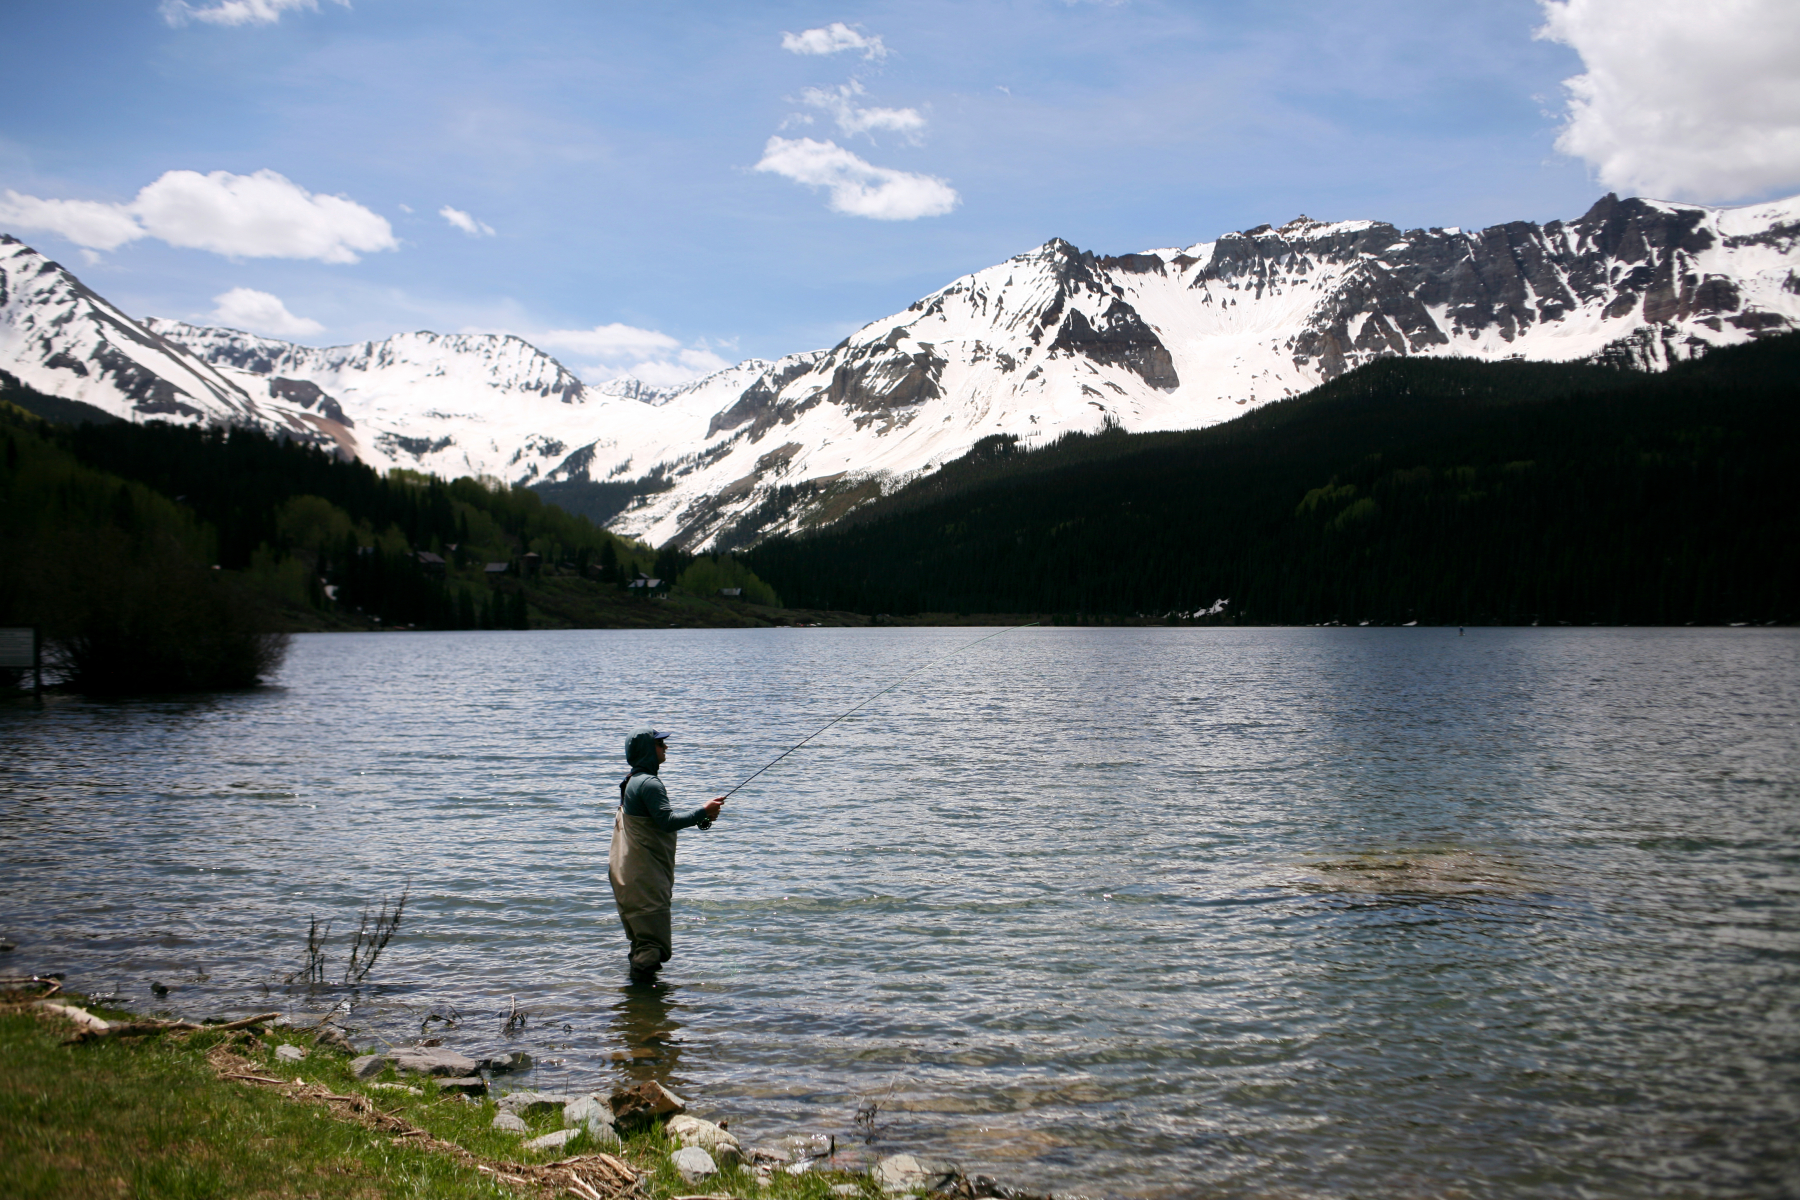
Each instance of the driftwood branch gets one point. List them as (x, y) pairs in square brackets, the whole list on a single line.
[(108, 1029), (24, 981), (256, 1079)]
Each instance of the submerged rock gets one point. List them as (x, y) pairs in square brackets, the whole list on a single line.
[(694, 1164), (797, 1146), (518, 1060)]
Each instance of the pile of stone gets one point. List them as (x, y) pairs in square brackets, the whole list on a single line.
[(703, 1148), (454, 1072), (580, 1114)]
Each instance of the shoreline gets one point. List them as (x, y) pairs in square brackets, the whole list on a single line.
[(424, 1098)]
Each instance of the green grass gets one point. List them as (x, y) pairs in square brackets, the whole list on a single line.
[(150, 1118)]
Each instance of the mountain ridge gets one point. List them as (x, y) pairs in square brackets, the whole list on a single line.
[(1050, 341)]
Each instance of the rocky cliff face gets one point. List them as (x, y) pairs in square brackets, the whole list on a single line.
[(1060, 339), (1631, 262), (1052, 340)]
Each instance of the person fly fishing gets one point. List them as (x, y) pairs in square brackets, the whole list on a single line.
[(641, 865)]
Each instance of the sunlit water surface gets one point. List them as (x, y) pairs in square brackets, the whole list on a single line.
[(1134, 912)]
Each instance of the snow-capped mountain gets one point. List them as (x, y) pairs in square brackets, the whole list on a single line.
[(456, 404), (1061, 339), (61, 338), (1053, 340)]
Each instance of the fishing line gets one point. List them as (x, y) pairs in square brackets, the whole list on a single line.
[(890, 687)]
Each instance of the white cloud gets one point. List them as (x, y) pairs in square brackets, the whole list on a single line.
[(260, 312), (90, 223), (258, 216), (610, 341), (617, 350), (840, 103), (689, 365), (833, 39), (1683, 100), (236, 12), (264, 215), (857, 187), (465, 222)]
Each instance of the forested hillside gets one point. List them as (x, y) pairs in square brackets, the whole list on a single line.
[(1436, 490), (162, 557)]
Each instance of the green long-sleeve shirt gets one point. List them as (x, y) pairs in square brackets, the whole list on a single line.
[(645, 796)]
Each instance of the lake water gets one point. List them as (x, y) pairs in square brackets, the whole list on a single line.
[(1147, 912)]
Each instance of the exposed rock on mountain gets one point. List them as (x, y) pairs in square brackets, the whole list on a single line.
[(1053, 340)]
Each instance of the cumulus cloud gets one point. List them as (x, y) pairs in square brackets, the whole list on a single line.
[(858, 187), (465, 222), (1681, 100), (264, 215), (88, 223), (260, 312), (235, 12), (617, 350), (840, 102), (833, 39)]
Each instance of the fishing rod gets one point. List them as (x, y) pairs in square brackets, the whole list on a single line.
[(890, 687)]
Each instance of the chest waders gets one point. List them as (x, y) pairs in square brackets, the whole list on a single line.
[(641, 869)]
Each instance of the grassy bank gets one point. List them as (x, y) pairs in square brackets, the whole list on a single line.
[(161, 1116)]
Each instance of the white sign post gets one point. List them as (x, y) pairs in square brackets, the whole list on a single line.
[(19, 649)]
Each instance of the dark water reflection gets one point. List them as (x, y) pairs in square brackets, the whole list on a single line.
[(1148, 912)]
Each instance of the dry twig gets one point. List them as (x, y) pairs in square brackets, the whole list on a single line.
[(149, 1028), (370, 942)]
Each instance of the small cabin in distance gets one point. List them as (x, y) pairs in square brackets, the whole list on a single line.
[(732, 593), (432, 564), (648, 586)]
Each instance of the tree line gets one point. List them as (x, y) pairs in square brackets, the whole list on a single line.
[(164, 557), (1434, 490)]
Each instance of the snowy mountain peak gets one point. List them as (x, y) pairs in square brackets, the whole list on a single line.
[(1055, 339), (61, 338), (501, 362)]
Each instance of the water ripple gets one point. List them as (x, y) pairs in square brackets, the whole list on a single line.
[(1146, 912)]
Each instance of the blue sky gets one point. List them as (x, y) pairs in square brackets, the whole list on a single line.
[(586, 174)]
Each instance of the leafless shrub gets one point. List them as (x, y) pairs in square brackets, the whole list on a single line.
[(450, 1022), (313, 972), (515, 1020), (372, 938)]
